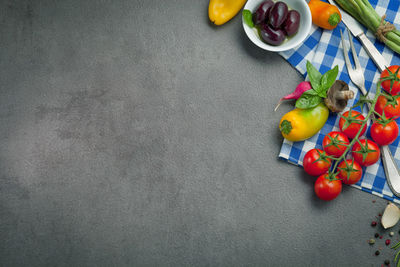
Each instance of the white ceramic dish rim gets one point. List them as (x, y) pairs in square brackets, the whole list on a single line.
[(304, 29)]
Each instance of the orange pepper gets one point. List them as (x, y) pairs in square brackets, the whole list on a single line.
[(221, 11), (324, 15)]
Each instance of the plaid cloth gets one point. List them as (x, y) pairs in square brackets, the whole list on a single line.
[(323, 50)]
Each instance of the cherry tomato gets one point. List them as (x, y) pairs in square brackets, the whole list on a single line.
[(351, 130), (384, 134), (316, 163), (326, 188), (390, 105), (350, 171), (334, 143), (366, 153), (386, 84)]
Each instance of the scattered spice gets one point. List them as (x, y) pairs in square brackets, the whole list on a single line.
[(373, 201), (387, 219)]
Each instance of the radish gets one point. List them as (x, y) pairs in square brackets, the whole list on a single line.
[(300, 89)]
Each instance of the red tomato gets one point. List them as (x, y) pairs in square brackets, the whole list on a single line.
[(350, 130), (316, 163), (327, 189), (351, 172), (384, 134), (367, 148), (386, 84), (390, 104), (334, 143)]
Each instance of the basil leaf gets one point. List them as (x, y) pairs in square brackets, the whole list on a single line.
[(320, 91), (308, 101), (310, 92), (248, 18), (328, 79), (314, 75)]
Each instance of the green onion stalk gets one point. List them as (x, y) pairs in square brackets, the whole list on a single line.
[(363, 12)]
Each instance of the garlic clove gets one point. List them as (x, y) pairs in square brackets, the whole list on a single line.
[(390, 216)]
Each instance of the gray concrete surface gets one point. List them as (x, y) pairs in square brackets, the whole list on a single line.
[(134, 133)]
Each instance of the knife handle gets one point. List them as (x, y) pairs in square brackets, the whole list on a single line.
[(391, 170), (373, 53)]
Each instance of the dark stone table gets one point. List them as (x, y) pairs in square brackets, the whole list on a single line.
[(134, 133)]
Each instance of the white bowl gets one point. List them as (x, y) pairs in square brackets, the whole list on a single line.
[(304, 29)]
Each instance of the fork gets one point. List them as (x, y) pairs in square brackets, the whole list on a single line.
[(356, 74), (357, 77)]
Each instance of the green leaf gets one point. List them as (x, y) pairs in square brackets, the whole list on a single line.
[(327, 80), (310, 92), (320, 91), (308, 101), (248, 18), (314, 75)]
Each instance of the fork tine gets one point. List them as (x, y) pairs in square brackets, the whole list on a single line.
[(353, 51), (346, 56)]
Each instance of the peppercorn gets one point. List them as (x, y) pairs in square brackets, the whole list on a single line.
[(377, 253), (387, 262), (373, 224), (371, 241), (387, 242), (391, 233), (376, 235)]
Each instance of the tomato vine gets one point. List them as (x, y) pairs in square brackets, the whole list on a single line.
[(331, 164), (361, 102)]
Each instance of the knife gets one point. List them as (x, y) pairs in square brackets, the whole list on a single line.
[(391, 170), (356, 29)]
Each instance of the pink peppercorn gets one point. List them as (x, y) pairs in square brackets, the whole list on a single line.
[(387, 242)]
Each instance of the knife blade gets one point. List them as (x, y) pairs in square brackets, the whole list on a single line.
[(356, 29)]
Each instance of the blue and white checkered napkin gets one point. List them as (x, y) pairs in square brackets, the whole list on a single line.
[(323, 50)]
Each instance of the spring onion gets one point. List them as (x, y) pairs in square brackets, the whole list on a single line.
[(363, 11)]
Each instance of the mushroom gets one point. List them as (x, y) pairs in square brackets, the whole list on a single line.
[(337, 96)]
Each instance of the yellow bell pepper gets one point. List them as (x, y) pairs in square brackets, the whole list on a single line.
[(221, 11), (301, 124)]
